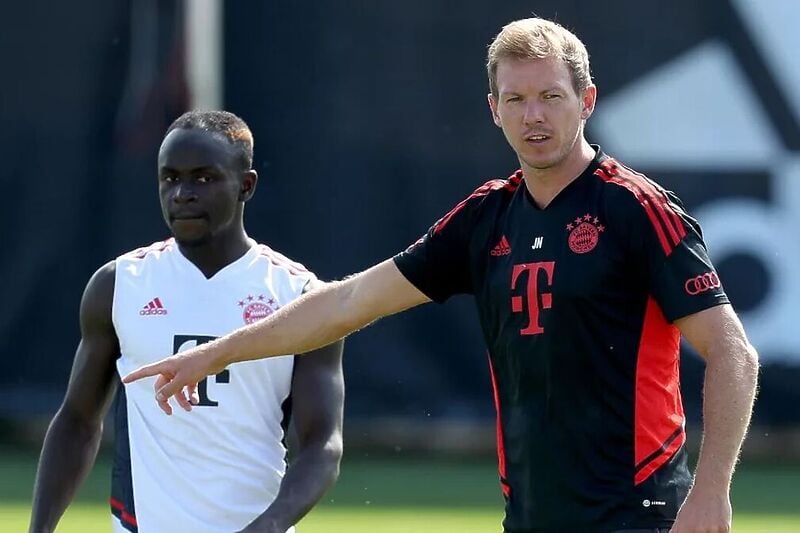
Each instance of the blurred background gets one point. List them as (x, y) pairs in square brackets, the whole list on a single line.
[(370, 122)]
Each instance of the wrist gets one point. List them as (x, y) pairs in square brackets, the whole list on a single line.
[(713, 482)]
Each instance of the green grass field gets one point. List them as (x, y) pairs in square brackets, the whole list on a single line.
[(394, 496)]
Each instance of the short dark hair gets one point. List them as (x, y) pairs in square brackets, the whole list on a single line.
[(225, 123)]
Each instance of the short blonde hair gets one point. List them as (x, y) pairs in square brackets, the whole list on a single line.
[(536, 38)]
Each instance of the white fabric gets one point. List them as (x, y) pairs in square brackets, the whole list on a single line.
[(218, 467)]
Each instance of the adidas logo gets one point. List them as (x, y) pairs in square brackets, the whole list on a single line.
[(153, 307), (502, 248)]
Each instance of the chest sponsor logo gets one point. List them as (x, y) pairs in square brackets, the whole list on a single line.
[(702, 283), (186, 342), (584, 233), (533, 279), (255, 308), (153, 307), (501, 248)]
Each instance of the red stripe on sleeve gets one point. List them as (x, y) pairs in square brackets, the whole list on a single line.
[(501, 451), (658, 410)]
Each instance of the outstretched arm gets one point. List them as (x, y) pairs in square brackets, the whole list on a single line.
[(316, 319), (317, 412), (71, 443), (728, 394)]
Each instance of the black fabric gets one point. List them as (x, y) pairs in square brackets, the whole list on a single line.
[(570, 299), (121, 502)]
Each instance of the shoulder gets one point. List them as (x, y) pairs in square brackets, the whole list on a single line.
[(626, 185), (633, 192), (98, 296), (493, 193), (495, 189), (152, 250), (637, 202), (281, 262), (136, 262)]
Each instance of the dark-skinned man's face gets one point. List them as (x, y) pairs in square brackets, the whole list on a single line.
[(201, 184)]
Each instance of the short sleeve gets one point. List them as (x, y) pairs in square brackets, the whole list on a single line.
[(438, 263), (681, 276)]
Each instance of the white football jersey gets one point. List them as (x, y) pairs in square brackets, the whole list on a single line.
[(218, 467)]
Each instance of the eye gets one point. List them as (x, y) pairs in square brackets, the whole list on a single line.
[(512, 99), (204, 178), (552, 96), (169, 178)]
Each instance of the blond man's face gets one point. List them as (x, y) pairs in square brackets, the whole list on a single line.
[(539, 110)]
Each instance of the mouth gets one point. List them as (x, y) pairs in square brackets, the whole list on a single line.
[(178, 217), (538, 138)]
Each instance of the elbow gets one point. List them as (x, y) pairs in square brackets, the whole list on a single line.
[(79, 425), (329, 459), (333, 455), (750, 364), (739, 361)]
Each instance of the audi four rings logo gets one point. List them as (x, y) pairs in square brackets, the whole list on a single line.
[(702, 283)]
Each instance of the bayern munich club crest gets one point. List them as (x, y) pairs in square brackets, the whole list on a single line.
[(584, 233), (255, 308)]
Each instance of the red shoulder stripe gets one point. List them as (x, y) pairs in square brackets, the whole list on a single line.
[(160, 246), (663, 205), (510, 184), (667, 224), (281, 260)]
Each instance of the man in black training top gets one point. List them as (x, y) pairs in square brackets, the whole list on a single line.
[(585, 273)]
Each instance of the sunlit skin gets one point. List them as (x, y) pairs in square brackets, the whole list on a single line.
[(543, 118), (203, 188)]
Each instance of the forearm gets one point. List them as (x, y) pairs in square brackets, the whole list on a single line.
[(307, 479), (316, 319), (729, 390), (68, 453)]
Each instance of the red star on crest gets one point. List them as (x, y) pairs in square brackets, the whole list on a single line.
[(601, 228), (249, 298), (587, 217), (270, 301), (596, 221), (569, 226), (578, 221), (260, 297), (241, 303)]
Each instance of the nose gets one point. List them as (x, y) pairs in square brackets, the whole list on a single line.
[(183, 193), (534, 112)]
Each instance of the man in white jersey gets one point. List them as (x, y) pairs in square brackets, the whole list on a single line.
[(223, 468)]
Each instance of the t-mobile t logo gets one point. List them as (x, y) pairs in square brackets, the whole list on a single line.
[(185, 342), (534, 296)]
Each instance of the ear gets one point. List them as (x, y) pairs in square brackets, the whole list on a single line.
[(493, 107), (588, 101), (248, 185)]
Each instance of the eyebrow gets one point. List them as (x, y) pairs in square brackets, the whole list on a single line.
[(548, 90), (203, 168)]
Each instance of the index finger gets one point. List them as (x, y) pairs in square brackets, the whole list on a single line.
[(153, 369)]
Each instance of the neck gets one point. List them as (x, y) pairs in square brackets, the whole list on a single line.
[(544, 184), (217, 253)]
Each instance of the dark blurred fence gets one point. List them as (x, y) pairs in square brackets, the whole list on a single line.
[(370, 122)]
